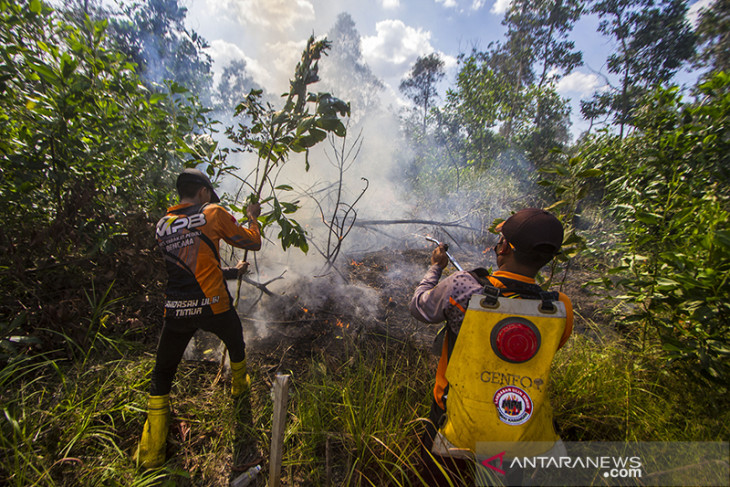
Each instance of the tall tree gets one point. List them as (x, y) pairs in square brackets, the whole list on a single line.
[(345, 71), (537, 50), (653, 40), (153, 34), (713, 34), (84, 145), (233, 87), (476, 105), (498, 110), (421, 82)]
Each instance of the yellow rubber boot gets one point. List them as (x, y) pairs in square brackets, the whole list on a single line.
[(240, 381), (151, 450)]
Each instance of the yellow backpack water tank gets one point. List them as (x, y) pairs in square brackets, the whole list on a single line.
[(498, 376)]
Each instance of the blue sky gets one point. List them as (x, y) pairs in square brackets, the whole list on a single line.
[(270, 34)]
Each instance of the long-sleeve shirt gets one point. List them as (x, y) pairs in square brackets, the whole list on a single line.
[(188, 236), (435, 302)]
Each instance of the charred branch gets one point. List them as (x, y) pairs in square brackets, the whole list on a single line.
[(261, 286)]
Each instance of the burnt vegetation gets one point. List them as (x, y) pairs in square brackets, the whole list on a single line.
[(94, 128)]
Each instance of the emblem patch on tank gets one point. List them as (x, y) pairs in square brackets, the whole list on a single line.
[(513, 405)]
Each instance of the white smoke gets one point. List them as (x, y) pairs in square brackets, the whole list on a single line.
[(381, 160)]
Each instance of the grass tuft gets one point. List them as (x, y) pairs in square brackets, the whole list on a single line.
[(614, 392)]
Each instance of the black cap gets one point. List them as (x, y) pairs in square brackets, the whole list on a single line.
[(196, 176), (533, 230)]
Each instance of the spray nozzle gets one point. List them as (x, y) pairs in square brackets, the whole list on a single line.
[(446, 249)]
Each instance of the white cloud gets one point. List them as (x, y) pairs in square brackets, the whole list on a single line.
[(280, 15), (224, 52), (693, 14), (395, 47), (282, 57), (390, 4), (583, 84), (450, 62), (447, 3), (499, 7)]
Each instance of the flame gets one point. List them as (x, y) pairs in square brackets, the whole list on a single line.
[(342, 325), (305, 310), (354, 263)]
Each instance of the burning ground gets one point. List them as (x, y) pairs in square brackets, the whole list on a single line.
[(310, 316), (329, 325), (313, 316)]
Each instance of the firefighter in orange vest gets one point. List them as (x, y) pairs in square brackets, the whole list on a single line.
[(196, 296), (529, 239)]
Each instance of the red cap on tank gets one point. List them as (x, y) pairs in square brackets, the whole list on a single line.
[(515, 340)]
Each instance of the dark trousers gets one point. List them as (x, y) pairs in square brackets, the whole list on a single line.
[(176, 334)]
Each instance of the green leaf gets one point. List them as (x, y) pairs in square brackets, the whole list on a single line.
[(280, 117), (648, 218), (68, 65), (35, 6), (332, 124), (670, 347), (589, 173), (25, 340), (155, 98), (573, 238), (177, 89), (723, 238), (555, 205), (665, 284), (288, 208), (315, 136), (305, 124), (45, 72)]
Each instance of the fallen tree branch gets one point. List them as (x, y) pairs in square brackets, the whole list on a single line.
[(281, 322), (261, 286), (370, 223)]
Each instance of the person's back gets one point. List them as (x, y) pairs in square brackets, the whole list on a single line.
[(188, 236), (196, 297), (483, 380)]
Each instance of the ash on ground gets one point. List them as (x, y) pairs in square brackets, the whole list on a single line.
[(329, 314)]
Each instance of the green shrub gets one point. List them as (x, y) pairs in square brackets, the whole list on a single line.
[(667, 186)]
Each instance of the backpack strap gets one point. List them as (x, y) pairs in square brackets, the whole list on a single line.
[(518, 289)]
